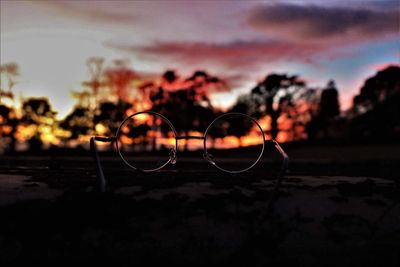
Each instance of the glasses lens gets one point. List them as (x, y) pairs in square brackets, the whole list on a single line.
[(234, 142), (145, 141)]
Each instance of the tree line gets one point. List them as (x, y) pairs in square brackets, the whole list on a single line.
[(284, 103)]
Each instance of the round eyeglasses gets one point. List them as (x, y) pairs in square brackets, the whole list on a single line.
[(147, 141)]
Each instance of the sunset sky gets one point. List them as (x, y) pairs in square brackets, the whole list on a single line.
[(240, 41)]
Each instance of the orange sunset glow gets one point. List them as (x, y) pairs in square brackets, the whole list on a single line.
[(72, 69)]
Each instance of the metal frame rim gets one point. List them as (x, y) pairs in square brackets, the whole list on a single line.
[(117, 135), (176, 140), (238, 114)]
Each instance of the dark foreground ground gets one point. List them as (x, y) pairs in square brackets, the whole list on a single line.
[(336, 207)]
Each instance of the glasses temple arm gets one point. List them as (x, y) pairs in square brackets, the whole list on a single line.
[(281, 174), (101, 181)]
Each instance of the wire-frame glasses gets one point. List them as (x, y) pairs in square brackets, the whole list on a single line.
[(147, 141)]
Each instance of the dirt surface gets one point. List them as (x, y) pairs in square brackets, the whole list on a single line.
[(192, 215)]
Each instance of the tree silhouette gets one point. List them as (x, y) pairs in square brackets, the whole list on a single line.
[(326, 114), (8, 118), (39, 116), (83, 99), (90, 111), (376, 111), (276, 95), (290, 106), (138, 132), (8, 127), (329, 105), (119, 77), (170, 77), (110, 115), (8, 72), (377, 89), (242, 105), (95, 67), (174, 97), (238, 126), (78, 122)]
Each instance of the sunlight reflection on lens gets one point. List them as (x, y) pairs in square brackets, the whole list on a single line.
[(235, 142), (145, 141)]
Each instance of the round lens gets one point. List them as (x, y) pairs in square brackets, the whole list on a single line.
[(234, 142), (146, 141)]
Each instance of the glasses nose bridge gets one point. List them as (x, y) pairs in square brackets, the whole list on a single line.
[(189, 137)]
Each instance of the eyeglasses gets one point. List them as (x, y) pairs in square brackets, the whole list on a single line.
[(147, 141)]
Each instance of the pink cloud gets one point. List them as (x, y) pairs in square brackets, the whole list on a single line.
[(239, 62), (382, 66), (236, 55)]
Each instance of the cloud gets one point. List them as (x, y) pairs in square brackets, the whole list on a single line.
[(382, 66), (311, 23), (237, 54), (99, 12)]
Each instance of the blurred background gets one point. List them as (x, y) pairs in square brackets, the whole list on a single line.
[(320, 77), (310, 73)]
